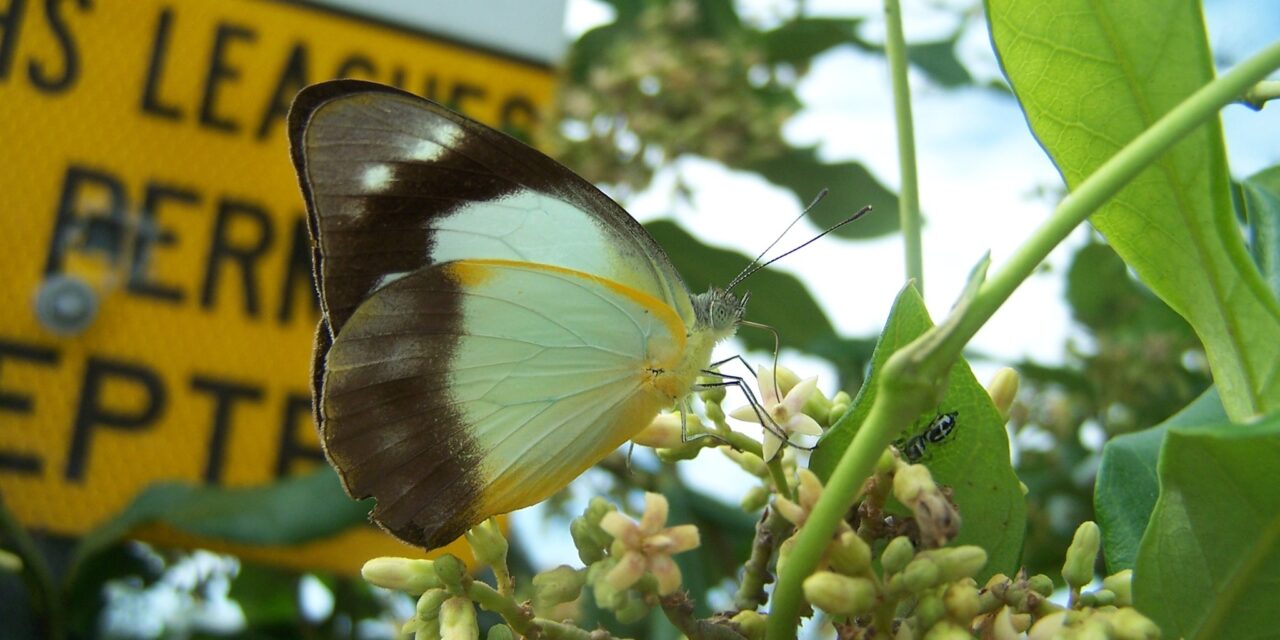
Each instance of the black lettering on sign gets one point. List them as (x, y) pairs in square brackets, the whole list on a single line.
[(150, 236), (221, 71), (298, 273), (244, 255), (357, 65), (462, 92), (151, 103), (225, 395), (100, 229), (21, 403), (93, 412), (293, 77), (69, 66), (518, 117), (10, 21), (297, 409)]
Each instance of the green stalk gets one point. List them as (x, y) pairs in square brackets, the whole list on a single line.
[(909, 194), (912, 373)]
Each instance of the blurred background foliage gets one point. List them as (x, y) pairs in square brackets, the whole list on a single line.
[(665, 79)]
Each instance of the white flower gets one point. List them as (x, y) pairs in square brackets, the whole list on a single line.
[(785, 414)]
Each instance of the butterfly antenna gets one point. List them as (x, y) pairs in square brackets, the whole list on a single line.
[(818, 198), (753, 267)]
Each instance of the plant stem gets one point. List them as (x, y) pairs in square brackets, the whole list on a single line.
[(755, 573), (909, 193), (45, 596), (1260, 93), (905, 381)]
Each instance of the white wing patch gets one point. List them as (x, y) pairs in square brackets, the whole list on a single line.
[(376, 177)]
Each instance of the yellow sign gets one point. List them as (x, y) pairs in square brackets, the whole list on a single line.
[(151, 212)]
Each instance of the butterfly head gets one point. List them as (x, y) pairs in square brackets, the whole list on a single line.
[(719, 310)]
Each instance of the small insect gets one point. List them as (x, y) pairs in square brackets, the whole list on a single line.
[(941, 427), (915, 447)]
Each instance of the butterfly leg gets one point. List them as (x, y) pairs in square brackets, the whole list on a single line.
[(766, 421)]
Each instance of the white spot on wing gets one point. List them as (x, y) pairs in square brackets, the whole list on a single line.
[(376, 177), (388, 278), (442, 139)]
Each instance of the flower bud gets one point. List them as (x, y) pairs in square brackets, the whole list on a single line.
[(1121, 584), (961, 601), (755, 499), (664, 432), (1077, 570), (401, 574), (1128, 624), (428, 631), (632, 610), (897, 554), (428, 607), (929, 610), (1048, 627), (557, 586), (607, 596), (458, 620), (1041, 584), (947, 630), (749, 462), (1002, 626), (487, 543), (1103, 598), (681, 453), (849, 554), (750, 624), (712, 394), (584, 535), (10, 563), (910, 482), (839, 406), (450, 570), (960, 562), (1003, 389), (840, 595), (597, 509), (500, 632), (921, 573), (786, 378)]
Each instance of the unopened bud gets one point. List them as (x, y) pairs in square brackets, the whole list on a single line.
[(450, 570), (750, 624), (664, 432), (839, 595), (712, 394), (10, 563), (557, 586), (921, 573), (458, 620), (597, 509), (910, 482), (1077, 570), (487, 543), (930, 610), (755, 499), (428, 631), (1041, 584), (401, 574), (1128, 624), (839, 406), (897, 554), (1121, 584), (961, 601), (749, 462), (1003, 627), (1049, 627), (428, 607), (964, 561), (1003, 389), (500, 632), (850, 554), (948, 630), (584, 533), (632, 610)]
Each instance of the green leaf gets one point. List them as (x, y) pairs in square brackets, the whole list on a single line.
[(266, 596), (851, 188), (289, 511), (1127, 486), (1208, 563), (973, 460), (777, 299), (938, 61), (1261, 194), (1090, 77), (798, 41)]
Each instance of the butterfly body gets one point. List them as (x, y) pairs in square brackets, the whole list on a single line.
[(492, 324)]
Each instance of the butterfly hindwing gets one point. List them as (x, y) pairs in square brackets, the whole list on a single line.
[(474, 388)]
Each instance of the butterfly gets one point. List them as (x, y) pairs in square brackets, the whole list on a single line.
[(492, 324)]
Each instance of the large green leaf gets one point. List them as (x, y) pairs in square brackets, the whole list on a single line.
[(777, 299), (851, 187), (973, 460), (1261, 192), (1090, 77), (1208, 563), (290, 511), (1127, 486)]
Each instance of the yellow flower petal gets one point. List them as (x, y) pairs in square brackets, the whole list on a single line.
[(655, 514), (622, 528), (629, 570), (684, 538), (667, 572), (771, 444)]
